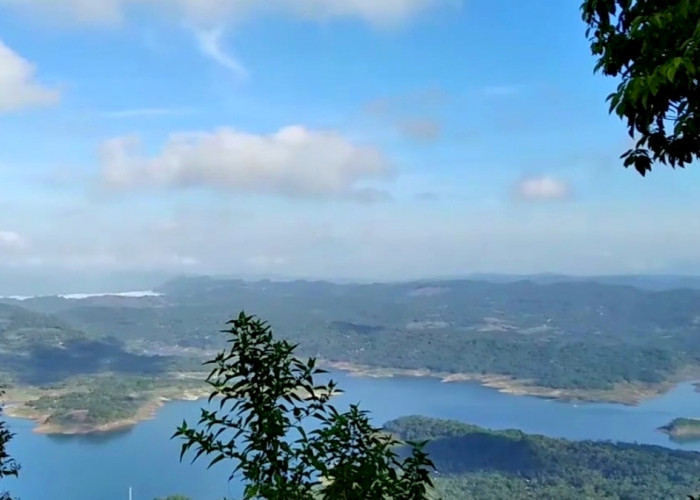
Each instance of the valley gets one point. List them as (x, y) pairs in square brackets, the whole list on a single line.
[(568, 340)]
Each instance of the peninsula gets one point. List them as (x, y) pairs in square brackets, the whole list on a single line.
[(105, 403)]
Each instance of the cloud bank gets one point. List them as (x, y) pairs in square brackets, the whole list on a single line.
[(208, 12), (294, 162)]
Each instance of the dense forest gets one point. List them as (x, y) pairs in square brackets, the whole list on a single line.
[(41, 349), (475, 463), (561, 335)]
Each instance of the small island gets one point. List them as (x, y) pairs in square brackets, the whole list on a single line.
[(683, 429)]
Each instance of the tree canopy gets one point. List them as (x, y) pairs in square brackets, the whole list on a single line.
[(653, 48)]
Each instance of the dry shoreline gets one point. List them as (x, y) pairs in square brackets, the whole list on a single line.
[(627, 394), (16, 408), (630, 394)]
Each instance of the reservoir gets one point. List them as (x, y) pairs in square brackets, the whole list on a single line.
[(103, 467)]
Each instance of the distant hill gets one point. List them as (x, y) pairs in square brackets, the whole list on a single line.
[(649, 282), (475, 463), (570, 335)]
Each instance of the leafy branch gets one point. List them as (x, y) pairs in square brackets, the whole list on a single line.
[(265, 400)]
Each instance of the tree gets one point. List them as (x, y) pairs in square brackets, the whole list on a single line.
[(286, 440), (8, 467), (653, 48)]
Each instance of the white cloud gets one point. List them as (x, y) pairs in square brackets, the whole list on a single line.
[(215, 11), (10, 240), (209, 42), (374, 11), (18, 86), (542, 188), (293, 162)]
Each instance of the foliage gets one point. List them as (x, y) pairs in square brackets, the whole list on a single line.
[(8, 467), (267, 398), (475, 463), (653, 47)]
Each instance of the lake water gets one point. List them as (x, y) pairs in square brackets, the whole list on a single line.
[(103, 467)]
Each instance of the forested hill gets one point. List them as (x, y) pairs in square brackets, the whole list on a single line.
[(568, 335), (474, 463), (41, 349)]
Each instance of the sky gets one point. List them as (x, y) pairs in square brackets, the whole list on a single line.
[(331, 139)]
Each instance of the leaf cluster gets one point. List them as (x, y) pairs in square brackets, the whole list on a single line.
[(275, 422), (653, 48), (8, 467)]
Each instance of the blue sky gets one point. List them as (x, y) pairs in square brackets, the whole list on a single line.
[(343, 138)]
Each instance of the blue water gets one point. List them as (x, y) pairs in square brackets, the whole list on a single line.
[(103, 467)]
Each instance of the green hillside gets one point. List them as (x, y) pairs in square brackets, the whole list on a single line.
[(475, 463), (40, 349), (570, 335)]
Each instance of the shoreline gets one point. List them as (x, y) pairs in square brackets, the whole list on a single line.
[(628, 394), (146, 412), (16, 408)]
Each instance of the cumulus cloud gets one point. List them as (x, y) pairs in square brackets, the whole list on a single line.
[(10, 240), (542, 189), (293, 162), (18, 86), (214, 11)]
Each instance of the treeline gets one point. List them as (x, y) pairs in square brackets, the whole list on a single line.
[(550, 363), (474, 463), (583, 336)]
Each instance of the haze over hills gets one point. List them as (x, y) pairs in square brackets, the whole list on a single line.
[(22, 284), (570, 336)]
